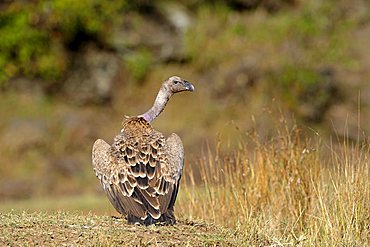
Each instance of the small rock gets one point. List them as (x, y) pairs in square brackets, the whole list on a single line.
[(177, 15), (93, 76)]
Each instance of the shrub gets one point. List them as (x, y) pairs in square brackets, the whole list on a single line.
[(36, 36)]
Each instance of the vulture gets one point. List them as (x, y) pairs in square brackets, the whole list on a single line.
[(140, 172)]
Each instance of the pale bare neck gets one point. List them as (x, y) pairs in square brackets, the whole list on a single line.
[(159, 104)]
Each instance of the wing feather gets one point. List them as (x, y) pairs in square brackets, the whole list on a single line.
[(175, 160)]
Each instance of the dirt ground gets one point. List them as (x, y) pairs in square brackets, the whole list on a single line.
[(74, 229)]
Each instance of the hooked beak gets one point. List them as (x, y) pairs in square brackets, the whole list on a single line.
[(189, 86)]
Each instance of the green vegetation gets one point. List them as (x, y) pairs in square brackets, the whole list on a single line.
[(290, 47), (288, 51), (36, 36), (138, 64)]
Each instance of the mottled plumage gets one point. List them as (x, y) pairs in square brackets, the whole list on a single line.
[(141, 171)]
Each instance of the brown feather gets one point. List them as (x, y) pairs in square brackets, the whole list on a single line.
[(150, 171), (165, 199), (140, 170), (142, 183)]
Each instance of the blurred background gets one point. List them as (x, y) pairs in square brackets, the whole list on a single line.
[(70, 70)]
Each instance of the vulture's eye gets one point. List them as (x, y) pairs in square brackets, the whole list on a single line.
[(176, 82)]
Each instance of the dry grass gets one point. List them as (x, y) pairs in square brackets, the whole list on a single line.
[(284, 191)]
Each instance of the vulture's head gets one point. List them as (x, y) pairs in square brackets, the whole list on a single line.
[(176, 84)]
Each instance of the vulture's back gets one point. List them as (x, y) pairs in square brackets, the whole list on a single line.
[(140, 172)]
